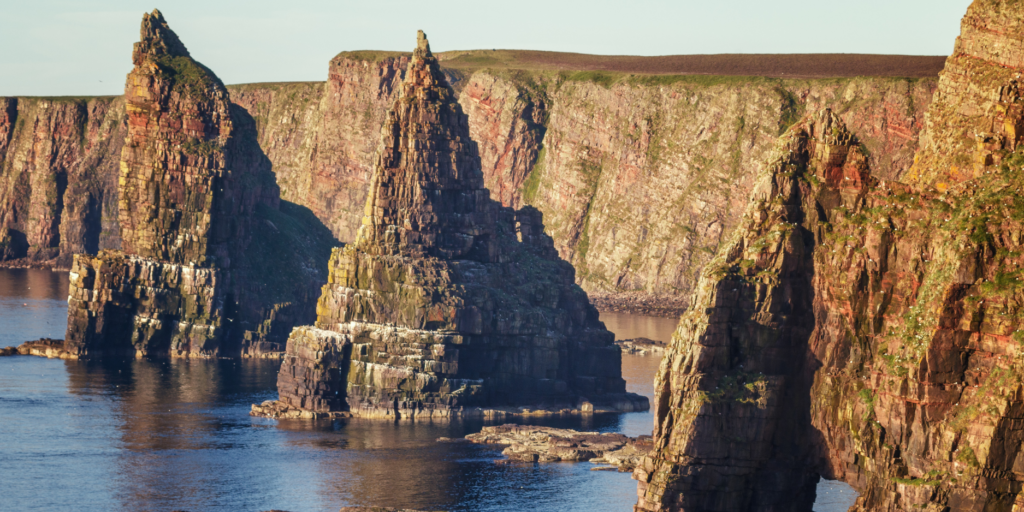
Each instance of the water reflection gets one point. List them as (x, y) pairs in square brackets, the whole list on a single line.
[(628, 326), (176, 435), (33, 305)]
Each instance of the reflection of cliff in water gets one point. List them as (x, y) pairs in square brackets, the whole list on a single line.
[(170, 404), (172, 427), (181, 439), (33, 283), (33, 304)]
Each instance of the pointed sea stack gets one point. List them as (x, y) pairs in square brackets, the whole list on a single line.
[(864, 330), (447, 304), (190, 279)]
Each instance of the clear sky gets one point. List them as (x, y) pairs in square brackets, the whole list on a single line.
[(83, 47)]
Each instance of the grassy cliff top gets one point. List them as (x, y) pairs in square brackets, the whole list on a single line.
[(819, 65), (662, 70)]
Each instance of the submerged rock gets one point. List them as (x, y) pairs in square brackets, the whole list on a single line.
[(211, 264), (528, 443), (447, 304), (860, 329)]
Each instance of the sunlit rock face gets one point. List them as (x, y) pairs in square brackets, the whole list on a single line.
[(863, 329), (447, 304), (191, 278)]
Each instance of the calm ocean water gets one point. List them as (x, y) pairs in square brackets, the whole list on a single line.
[(176, 435)]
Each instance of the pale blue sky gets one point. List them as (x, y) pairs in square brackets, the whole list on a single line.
[(83, 47)]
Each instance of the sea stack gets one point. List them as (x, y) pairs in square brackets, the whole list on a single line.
[(447, 304), (860, 329), (194, 185)]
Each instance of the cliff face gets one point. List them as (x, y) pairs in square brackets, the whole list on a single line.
[(600, 157), (447, 302), (58, 176), (640, 184), (321, 137), (860, 328), (210, 264), (639, 178)]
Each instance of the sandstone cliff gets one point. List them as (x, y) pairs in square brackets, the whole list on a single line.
[(210, 265), (58, 177), (639, 177), (447, 303), (860, 328)]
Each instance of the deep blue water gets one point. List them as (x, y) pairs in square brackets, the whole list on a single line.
[(176, 435)]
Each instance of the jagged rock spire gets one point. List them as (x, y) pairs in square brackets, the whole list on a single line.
[(156, 38), (427, 194), (446, 303), (422, 45), (174, 161)]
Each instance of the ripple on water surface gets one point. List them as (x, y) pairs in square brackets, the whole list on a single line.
[(166, 435)]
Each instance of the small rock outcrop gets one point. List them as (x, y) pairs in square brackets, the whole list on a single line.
[(204, 237), (642, 346), (447, 304), (526, 443), (861, 329), (45, 347)]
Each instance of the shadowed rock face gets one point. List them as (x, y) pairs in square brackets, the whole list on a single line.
[(447, 303), (863, 329), (182, 198), (191, 278)]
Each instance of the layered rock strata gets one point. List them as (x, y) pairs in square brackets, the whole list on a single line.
[(863, 329), (447, 304), (211, 264), (618, 153), (58, 177)]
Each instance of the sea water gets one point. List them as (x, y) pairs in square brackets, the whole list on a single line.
[(176, 435)]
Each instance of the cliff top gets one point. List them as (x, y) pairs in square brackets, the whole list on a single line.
[(816, 65)]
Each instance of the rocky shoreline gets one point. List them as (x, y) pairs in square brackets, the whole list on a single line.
[(530, 443), (276, 409), (50, 264), (44, 347)]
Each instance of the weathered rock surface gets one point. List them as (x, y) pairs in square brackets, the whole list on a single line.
[(58, 177), (45, 347), (447, 304), (528, 443), (618, 153), (211, 263), (862, 329)]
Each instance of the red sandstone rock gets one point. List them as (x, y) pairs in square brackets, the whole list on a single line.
[(609, 219), (863, 329)]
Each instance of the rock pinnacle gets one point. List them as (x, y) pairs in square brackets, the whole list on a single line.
[(422, 44), (156, 38)]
